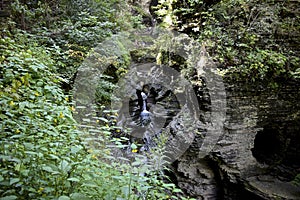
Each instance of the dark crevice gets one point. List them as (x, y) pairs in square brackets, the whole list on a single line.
[(267, 145)]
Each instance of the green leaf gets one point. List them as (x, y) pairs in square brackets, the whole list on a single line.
[(28, 145), (73, 179), (11, 197), (64, 166), (133, 146), (102, 119), (90, 185), (64, 198), (54, 156), (17, 136), (47, 169), (78, 196), (13, 181), (118, 177), (177, 190), (75, 149)]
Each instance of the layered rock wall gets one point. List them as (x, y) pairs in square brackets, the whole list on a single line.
[(259, 152)]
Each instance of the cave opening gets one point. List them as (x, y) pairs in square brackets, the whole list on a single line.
[(267, 145)]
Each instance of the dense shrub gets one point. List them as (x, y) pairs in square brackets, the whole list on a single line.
[(247, 38), (44, 154), (39, 143)]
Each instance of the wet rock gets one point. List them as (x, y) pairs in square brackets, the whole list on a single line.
[(258, 154)]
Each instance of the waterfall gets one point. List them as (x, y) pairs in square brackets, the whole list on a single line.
[(145, 114)]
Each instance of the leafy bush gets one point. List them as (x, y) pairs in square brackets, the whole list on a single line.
[(243, 36), (70, 28), (39, 143), (44, 155)]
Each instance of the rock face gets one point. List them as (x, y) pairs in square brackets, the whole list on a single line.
[(259, 152)]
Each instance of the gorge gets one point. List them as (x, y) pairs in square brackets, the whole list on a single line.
[(257, 156)]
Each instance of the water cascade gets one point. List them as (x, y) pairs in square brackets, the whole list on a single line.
[(145, 114)]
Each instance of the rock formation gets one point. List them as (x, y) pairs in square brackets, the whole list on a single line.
[(259, 153)]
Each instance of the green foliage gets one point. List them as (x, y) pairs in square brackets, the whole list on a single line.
[(104, 92), (69, 29), (263, 65), (44, 155), (236, 36), (243, 36), (296, 181), (40, 147), (110, 173)]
